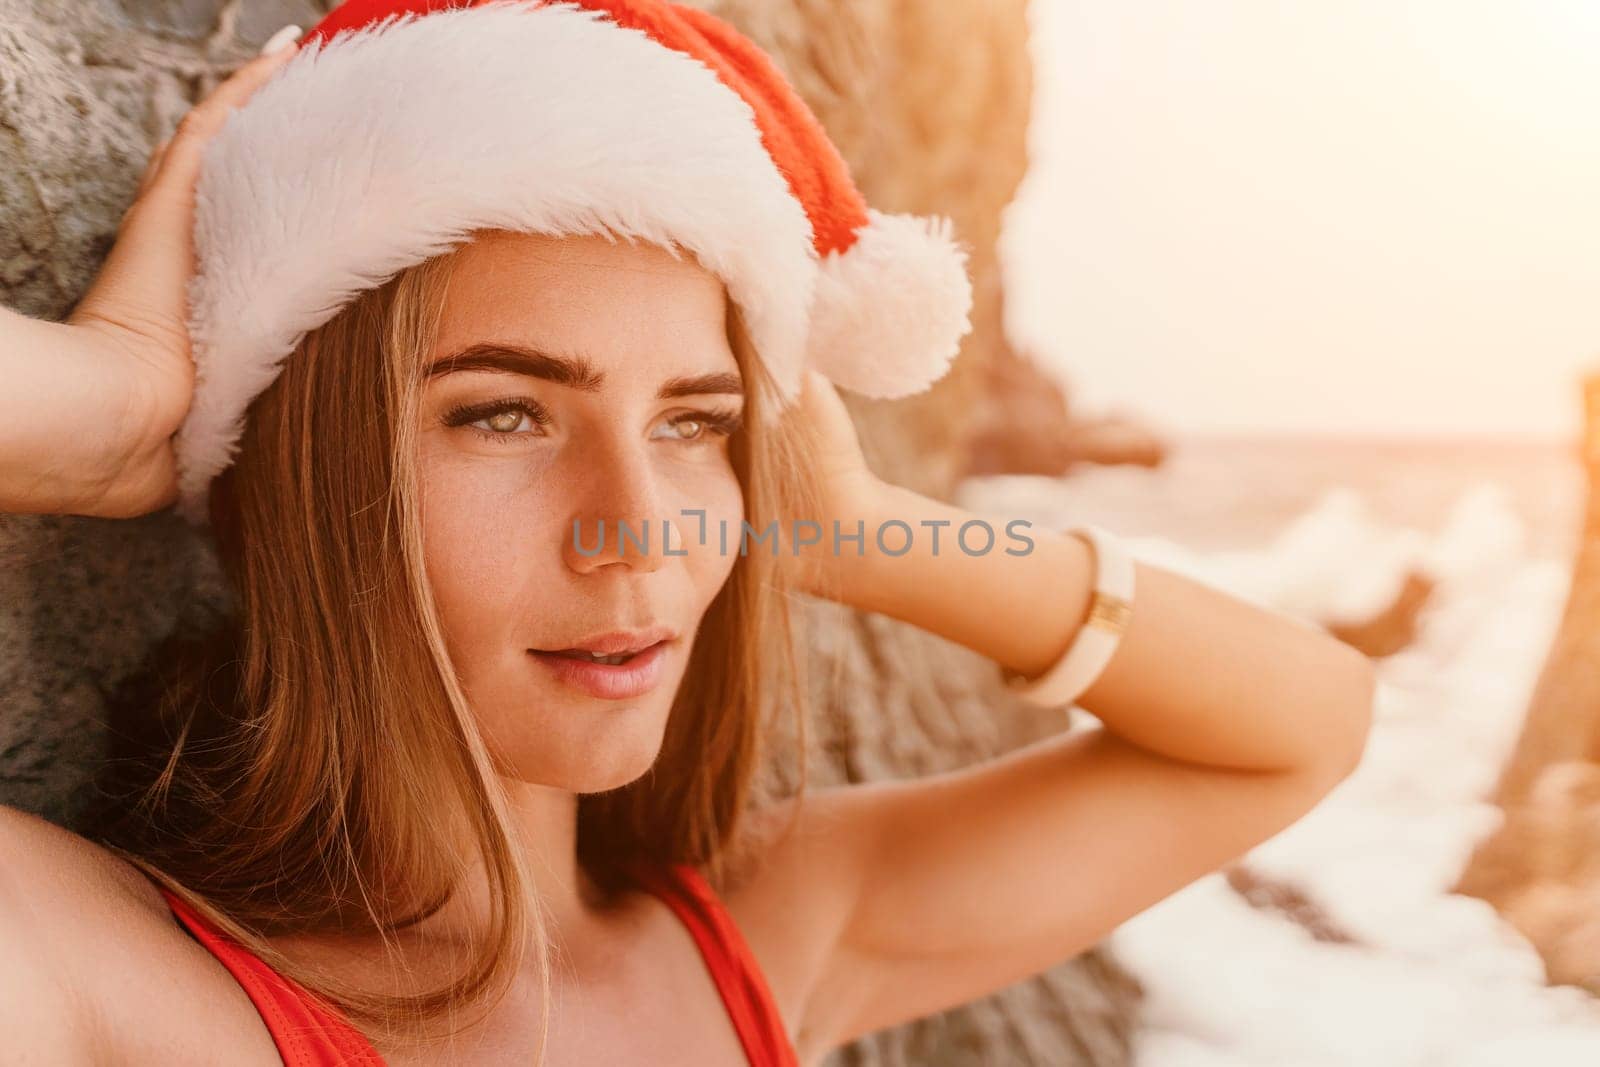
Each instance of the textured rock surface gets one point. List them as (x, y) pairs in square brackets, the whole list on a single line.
[(929, 102), (1541, 867), (86, 90)]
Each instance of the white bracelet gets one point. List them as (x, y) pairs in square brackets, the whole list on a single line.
[(1109, 613)]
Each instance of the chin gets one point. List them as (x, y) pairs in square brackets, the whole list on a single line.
[(591, 775), (621, 746)]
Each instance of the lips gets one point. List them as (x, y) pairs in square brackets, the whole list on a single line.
[(594, 657), (635, 676), (614, 642)]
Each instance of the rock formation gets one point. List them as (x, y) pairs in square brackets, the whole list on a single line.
[(1541, 866)]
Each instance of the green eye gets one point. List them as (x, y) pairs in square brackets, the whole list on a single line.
[(711, 424), (498, 413)]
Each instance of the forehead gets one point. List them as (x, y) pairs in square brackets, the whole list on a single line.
[(581, 292)]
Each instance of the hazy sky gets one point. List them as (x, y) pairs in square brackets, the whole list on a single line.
[(1367, 216)]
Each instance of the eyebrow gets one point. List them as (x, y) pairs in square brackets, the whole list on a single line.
[(575, 372)]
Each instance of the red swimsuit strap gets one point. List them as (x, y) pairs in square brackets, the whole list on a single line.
[(307, 1035), (733, 965)]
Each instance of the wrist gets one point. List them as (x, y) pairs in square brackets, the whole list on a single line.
[(80, 423), (1095, 635), (957, 586), (832, 565)]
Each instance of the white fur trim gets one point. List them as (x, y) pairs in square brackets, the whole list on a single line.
[(889, 312), (383, 147)]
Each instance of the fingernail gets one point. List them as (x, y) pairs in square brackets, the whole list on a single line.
[(281, 40)]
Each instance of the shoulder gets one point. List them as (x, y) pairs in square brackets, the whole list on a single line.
[(60, 873), (93, 944), (37, 999)]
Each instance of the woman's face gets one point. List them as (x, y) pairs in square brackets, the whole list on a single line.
[(587, 385)]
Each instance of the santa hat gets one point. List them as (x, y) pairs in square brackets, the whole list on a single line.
[(401, 126)]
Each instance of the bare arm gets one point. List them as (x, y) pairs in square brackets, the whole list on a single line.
[(1199, 676), (89, 405), (38, 1012), (1223, 724), (71, 419), (55, 894)]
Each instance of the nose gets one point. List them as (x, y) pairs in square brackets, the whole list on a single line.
[(620, 514)]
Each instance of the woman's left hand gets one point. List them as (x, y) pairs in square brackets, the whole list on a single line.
[(850, 491)]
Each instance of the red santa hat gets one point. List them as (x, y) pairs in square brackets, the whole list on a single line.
[(401, 126)]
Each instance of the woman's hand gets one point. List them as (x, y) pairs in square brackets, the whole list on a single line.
[(850, 492), (109, 387)]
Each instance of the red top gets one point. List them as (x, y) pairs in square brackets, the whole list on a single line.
[(308, 1035)]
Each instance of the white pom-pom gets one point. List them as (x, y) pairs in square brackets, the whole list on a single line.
[(890, 311)]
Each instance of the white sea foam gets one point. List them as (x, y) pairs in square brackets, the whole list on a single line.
[(1437, 979)]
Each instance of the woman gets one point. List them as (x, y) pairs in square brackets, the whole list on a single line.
[(387, 806)]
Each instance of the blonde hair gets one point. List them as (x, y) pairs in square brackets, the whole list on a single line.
[(312, 763)]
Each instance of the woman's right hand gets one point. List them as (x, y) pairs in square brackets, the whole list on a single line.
[(121, 361)]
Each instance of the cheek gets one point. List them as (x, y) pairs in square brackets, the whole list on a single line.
[(489, 537), (719, 495), (480, 547)]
